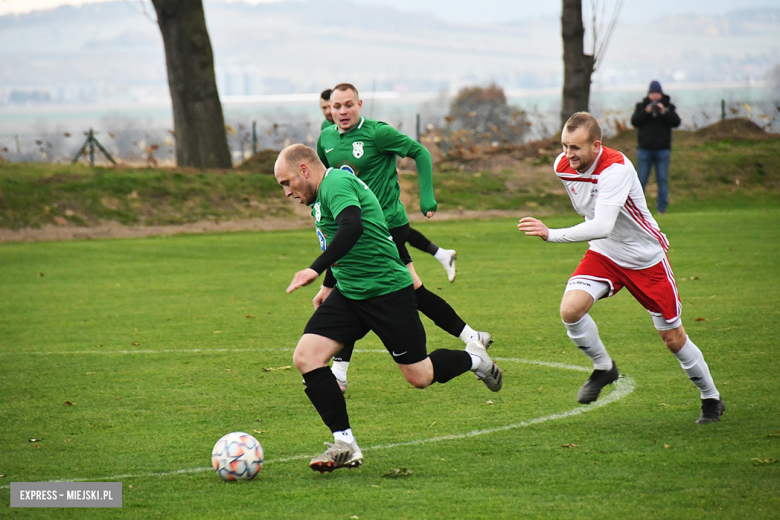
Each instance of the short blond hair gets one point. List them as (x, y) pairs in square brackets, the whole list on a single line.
[(586, 121), (345, 87)]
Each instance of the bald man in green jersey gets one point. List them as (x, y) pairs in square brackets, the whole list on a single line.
[(368, 148), (374, 292)]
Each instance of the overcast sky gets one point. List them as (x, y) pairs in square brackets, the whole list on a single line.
[(484, 11)]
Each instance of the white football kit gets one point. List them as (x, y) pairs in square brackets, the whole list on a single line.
[(626, 249), (610, 192)]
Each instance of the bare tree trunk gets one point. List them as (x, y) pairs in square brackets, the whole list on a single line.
[(197, 112), (577, 66)]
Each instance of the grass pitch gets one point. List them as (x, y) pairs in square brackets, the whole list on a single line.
[(128, 359)]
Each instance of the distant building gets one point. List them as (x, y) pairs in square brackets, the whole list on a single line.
[(239, 81), (253, 81), (28, 96)]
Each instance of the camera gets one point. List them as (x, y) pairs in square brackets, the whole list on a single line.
[(656, 110)]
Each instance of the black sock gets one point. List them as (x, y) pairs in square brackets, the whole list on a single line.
[(324, 393), (439, 311), (448, 364), (345, 354), (419, 241)]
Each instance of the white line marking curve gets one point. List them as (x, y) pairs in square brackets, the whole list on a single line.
[(623, 387)]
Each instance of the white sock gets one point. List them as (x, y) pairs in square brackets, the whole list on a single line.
[(344, 436), (692, 361), (585, 334), (475, 361), (339, 369), (468, 334), (442, 255)]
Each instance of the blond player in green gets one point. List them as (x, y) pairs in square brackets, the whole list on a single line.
[(374, 292), (367, 149), (446, 257)]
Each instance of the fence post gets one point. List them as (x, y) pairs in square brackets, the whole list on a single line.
[(254, 137), (91, 148), (722, 109), (418, 128)]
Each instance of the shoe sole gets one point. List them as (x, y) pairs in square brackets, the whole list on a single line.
[(328, 466), (707, 421), (587, 400)]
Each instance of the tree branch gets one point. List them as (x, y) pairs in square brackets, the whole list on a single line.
[(143, 10), (598, 53)]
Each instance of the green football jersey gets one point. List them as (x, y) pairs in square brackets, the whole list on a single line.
[(372, 267), (368, 150), (325, 124)]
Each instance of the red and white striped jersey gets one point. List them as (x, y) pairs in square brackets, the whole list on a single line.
[(635, 242)]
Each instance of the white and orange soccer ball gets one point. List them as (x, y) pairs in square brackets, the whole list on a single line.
[(237, 456)]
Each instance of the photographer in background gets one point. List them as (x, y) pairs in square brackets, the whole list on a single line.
[(654, 118)]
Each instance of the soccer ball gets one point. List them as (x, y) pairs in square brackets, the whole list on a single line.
[(237, 456)]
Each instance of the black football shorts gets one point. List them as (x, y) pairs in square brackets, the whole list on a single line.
[(393, 317)]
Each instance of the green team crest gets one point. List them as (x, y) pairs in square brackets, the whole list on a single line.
[(357, 149)]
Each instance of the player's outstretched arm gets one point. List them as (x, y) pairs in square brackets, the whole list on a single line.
[(424, 163), (390, 140), (534, 228), (599, 227), (349, 231), (302, 278)]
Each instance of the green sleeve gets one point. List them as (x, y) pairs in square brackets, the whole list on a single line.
[(422, 158), (321, 153), (389, 139)]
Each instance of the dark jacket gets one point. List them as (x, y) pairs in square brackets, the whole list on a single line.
[(654, 131)]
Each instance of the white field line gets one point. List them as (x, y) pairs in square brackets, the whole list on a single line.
[(545, 364), (162, 351), (623, 387), (221, 350)]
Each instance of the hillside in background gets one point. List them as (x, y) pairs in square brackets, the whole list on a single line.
[(112, 51), (729, 164)]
